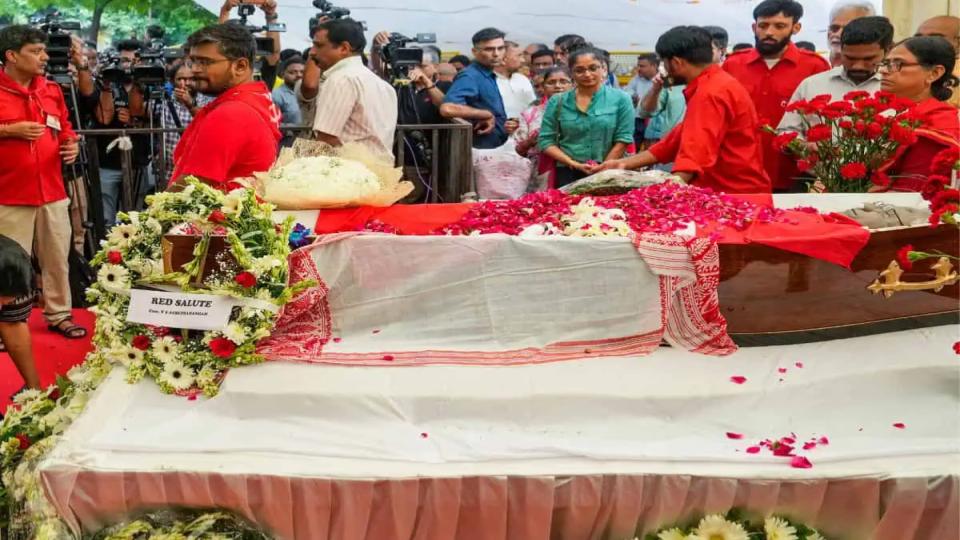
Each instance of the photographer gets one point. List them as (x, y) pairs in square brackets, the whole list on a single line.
[(179, 111), (119, 103), (36, 139), (353, 104), (268, 68)]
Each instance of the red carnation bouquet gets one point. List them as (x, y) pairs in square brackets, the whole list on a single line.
[(846, 142)]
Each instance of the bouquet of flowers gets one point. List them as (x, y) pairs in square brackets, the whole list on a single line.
[(735, 526), (846, 142)]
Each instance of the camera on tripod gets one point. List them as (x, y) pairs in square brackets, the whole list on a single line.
[(329, 11), (400, 59), (150, 71), (264, 44), (59, 41)]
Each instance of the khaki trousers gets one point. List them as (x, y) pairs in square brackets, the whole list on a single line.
[(48, 228)]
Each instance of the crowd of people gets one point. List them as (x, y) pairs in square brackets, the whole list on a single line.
[(694, 106)]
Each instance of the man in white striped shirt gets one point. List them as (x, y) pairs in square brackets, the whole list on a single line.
[(353, 103)]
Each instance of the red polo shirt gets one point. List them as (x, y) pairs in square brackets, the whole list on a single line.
[(30, 172), (719, 138), (233, 136), (771, 89)]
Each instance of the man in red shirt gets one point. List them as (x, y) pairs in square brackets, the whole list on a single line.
[(36, 139), (717, 145), (238, 133), (771, 72)]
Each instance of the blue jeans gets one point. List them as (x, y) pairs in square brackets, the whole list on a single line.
[(111, 182)]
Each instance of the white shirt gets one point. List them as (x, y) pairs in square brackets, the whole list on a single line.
[(834, 82), (355, 105), (517, 93)]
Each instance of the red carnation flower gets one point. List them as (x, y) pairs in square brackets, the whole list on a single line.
[(141, 342), (956, 347), (932, 186), (853, 171), (945, 161), (937, 214), (783, 140), (846, 124), (245, 279), (799, 105), (24, 441), (902, 134), (880, 179), (216, 217), (874, 130), (819, 132), (804, 165), (945, 197), (222, 347), (856, 95), (903, 257), (114, 257)]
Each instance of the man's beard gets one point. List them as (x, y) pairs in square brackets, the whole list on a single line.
[(766, 48), (859, 77)]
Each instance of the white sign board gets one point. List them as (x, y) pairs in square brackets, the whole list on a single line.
[(179, 310)]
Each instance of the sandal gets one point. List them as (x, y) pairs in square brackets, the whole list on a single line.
[(69, 331)]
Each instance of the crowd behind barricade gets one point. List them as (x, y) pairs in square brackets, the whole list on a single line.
[(542, 116)]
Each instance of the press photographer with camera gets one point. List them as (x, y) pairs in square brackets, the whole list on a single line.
[(36, 139), (237, 133), (353, 103), (120, 101), (268, 67)]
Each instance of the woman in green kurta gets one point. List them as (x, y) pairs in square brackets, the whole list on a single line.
[(589, 124)]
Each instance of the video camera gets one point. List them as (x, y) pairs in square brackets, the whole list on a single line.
[(151, 71), (59, 41), (329, 11), (400, 59), (264, 44)]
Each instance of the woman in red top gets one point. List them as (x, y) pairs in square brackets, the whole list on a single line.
[(921, 69)]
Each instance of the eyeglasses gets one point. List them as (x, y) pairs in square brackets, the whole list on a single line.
[(203, 63), (557, 82), (894, 65), (584, 70)]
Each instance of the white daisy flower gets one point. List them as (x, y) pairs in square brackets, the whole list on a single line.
[(177, 376), (114, 278), (778, 529), (122, 235), (235, 333), (126, 356), (672, 534), (716, 527), (166, 349)]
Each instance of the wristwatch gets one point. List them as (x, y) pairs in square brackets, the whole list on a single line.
[(85, 67)]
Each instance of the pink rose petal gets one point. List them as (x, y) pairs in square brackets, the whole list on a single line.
[(732, 435), (809, 445), (782, 370), (424, 435), (800, 462), (753, 450), (388, 357), (799, 365), (824, 441), (782, 450), (337, 340), (738, 379), (900, 425)]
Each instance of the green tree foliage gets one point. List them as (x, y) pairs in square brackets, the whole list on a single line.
[(111, 20)]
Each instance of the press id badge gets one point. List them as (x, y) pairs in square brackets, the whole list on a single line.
[(53, 122)]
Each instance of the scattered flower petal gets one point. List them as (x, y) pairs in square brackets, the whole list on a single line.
[(809, 445), (799, 365), (824, 441), (900, 425), (782, 370), (732, 435), (800, 462), (424, 435), (753, 450), (738, 379), (388, 357)]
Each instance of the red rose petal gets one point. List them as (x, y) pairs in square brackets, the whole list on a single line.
[(424, 435), (900, 425), (782, 370), (809, 445), (799, 365), (753, 450), (824, 441), (738, 379), (732, 435), (337, 340), (376, 331), (800, 462), (388, 357)]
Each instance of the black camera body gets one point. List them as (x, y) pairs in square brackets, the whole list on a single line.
[(330, 11), (58, 44), (264, 44), (151, 70), (400, 59)]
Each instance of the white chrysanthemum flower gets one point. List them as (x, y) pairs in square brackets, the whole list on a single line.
[(153, 226), (166, 349), (122, 235), (264, 294), (187, 191), (672, 534), (27, 396), (716, 527), (207, 376), (263, 265), (134, 218), (177, 376), (815, 536), (235, 333), (114, 278), (778, 529), (147, 268)]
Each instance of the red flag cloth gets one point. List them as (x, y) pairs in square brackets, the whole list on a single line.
[(833, 238)]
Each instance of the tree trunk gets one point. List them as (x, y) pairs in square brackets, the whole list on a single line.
[(98, 9)]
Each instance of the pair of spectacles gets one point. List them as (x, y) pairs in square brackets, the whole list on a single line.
[(560, 82), (584, 70), (203, 63), (894, 65)]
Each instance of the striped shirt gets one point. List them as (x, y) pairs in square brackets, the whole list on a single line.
[(355, 105), (18, 310)]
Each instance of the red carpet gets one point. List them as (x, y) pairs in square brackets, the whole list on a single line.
[(54, 354)]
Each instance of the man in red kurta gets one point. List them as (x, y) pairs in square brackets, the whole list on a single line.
[(717, 145), (36, 139), (238, 133), (771, 72)]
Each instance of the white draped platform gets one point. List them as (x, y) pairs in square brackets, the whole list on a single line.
[(594, 448)]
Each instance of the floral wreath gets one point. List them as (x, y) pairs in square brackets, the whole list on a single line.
[(734, 526), (251, 268)]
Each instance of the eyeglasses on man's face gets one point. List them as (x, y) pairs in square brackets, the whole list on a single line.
[(203, 63)]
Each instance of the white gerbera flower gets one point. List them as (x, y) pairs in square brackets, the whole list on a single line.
[(672, 534), (122, 235), (716, 527), (177, 376), (166, 349), (125, 356), (114, 278), (233, 201), (235, 333), (778, 529)]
